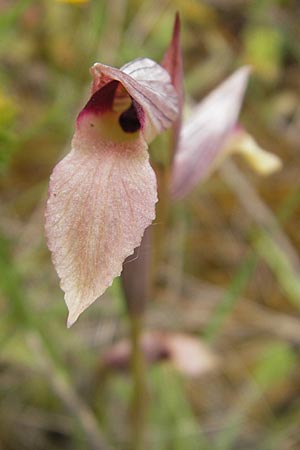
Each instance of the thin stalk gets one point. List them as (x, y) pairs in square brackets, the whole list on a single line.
[(162, 165), (135, 282), (139, 392), (138, 272), (162, 214)]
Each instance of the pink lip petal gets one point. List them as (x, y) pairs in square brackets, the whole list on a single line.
[(102, 196), (203, 135)]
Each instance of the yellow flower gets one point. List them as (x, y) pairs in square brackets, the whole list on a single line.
[(74, 2)]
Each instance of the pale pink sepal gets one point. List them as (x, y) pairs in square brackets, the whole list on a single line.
[(151, 88), (172, 62), (204, 134), (102, 196)]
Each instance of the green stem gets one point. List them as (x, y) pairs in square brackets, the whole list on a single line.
[(136, 284), (139, 392), (138, 272)]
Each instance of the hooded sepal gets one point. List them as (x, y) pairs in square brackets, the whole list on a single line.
[(149, 85)]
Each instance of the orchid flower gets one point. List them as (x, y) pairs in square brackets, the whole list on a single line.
[(102, 195)]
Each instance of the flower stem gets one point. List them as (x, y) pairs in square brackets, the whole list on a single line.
[(139, 393), (136, 285)]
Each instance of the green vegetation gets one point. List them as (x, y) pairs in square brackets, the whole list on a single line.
[(230, 276)]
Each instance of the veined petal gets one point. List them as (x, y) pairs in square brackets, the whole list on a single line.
[(203, 135), (102, 196), (149, 85)]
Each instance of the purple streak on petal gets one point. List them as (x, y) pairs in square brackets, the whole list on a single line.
[(204, 134), (172, 62), (101, 100)]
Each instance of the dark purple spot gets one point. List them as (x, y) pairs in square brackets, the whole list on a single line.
[(129, 120)]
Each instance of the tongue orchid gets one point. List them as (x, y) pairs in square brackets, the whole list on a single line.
[(102, 195)]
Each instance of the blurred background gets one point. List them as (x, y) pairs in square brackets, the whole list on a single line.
[(224, 323)]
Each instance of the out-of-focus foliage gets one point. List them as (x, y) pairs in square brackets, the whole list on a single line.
[(231, 265), (8, 112)]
